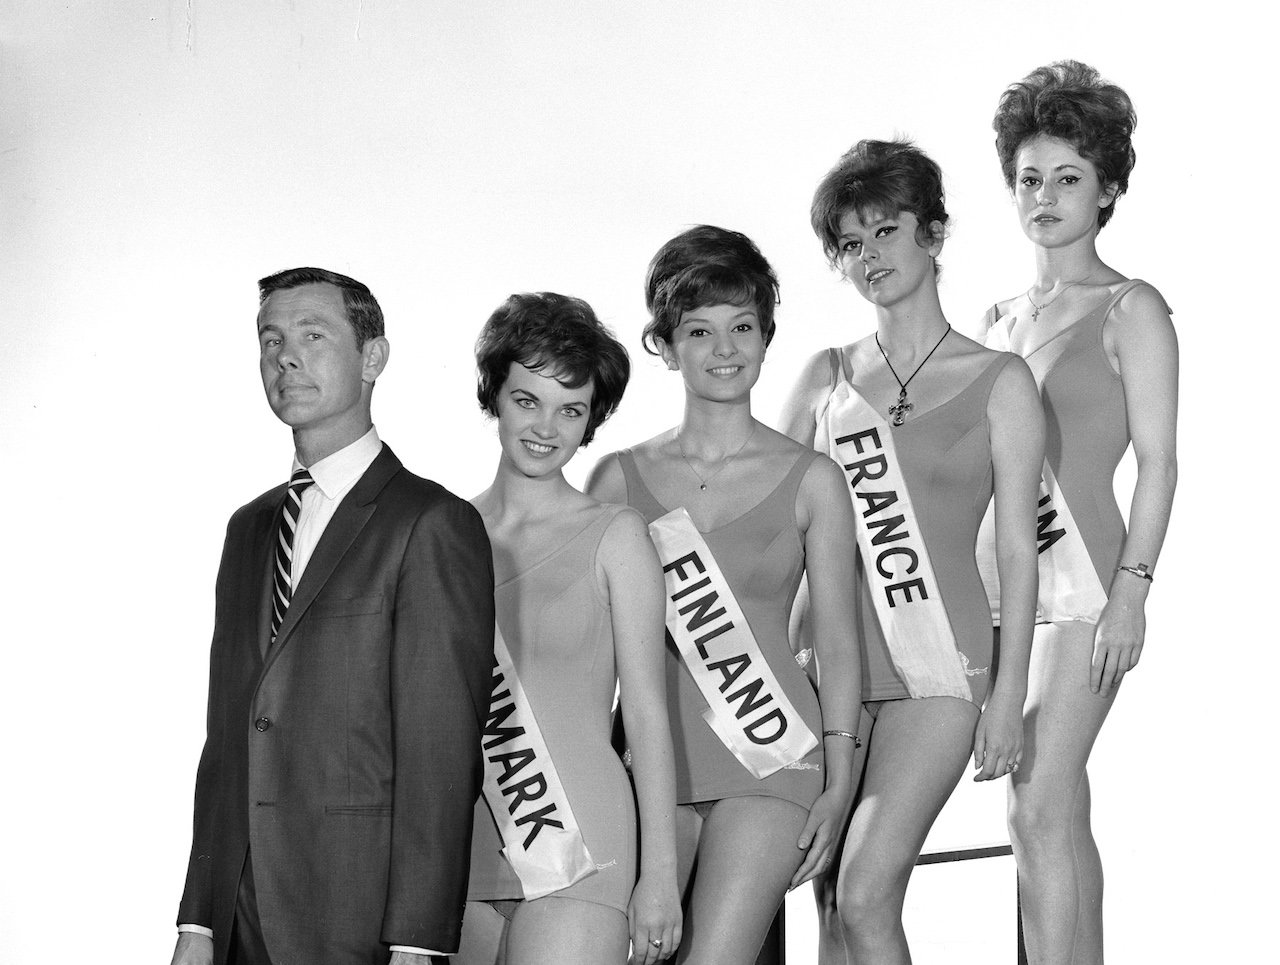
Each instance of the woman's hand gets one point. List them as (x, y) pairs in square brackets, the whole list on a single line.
[(821, 834), (1117, 643), (997, 743), (654, 915)]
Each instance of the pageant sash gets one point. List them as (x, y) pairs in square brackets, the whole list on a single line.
[(542, 840), (746, 706), (1069, 585), (895, 559)]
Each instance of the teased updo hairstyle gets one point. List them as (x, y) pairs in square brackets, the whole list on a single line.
[(558, 336), (1070, 101), (879, 179), (705, 266)]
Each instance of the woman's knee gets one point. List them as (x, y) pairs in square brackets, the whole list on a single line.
[(1039, 823), (865, 900)]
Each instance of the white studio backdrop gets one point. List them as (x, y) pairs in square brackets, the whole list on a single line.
[(156, 158)]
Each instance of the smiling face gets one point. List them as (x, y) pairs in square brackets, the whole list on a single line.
[(317, 381), (1058, 192), (718, 349), (883, 258), (541, 422)]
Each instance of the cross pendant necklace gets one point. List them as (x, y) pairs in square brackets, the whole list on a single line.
[(900, 408)]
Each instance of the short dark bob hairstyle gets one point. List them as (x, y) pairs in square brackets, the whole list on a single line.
[(1070, 101), (706, 266), (879, 179), (363, 312), (556, 335)]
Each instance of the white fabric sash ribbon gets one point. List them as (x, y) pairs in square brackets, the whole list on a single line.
[(746, 706), (542, 840), (1069, 586), (895, 559)]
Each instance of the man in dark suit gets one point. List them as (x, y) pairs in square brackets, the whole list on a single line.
[(348, 679)]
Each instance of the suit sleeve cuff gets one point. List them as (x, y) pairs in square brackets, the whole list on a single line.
[(198, 929), (413, 950)]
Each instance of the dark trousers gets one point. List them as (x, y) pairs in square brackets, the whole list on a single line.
[(247, 944)]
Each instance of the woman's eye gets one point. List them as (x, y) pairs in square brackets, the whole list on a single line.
[(886, 230), (1070, 179), (744, 327), (1030, 182), (525, 403), (850, 246), (572, 413)]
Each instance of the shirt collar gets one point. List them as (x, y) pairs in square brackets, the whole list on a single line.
[(336, 473)]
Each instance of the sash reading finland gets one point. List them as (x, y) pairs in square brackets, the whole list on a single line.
[(904, 589), (746, 707), (1069, 585), (542, 840)]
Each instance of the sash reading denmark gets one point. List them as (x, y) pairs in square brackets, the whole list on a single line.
[(903, 587), (746, 707), (1069, 585), (542, 840)]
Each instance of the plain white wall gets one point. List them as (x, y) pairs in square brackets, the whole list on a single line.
[(156, 158)]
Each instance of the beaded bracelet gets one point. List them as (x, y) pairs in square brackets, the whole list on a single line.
[(857, 741), (1140, 571)]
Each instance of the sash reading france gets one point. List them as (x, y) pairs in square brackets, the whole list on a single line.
[(746, 706), (895, 559), (542, 840)]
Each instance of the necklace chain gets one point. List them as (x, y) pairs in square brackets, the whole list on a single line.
[(724, 464), (1037, 309), (900, 408)]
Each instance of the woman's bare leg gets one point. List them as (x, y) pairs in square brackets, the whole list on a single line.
[(746, 855), (568, 932), (917, 753), (1059, 870)]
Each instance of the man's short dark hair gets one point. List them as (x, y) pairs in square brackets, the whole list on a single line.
[(363, 312)]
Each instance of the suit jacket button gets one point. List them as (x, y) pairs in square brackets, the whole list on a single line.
[(262, 723)]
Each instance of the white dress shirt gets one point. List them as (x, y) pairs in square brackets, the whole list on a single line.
[(334, 477)]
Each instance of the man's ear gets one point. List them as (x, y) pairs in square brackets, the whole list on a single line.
[(375, 353)]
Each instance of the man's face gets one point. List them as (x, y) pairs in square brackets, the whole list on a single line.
[(312, 371)]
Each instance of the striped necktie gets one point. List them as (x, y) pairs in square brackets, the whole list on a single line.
[(283, 581)]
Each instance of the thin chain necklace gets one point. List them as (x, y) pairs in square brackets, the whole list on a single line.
[(1037, 309), (704, 480), (900, 408)]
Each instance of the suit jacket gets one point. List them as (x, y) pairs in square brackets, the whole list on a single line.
[(346, 755)]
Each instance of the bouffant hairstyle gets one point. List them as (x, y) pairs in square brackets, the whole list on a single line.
[(559, 336), (878, 179), (1070, 101), (363, 312), (703, 266)]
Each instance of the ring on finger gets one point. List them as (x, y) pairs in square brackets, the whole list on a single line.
[(655, 942)]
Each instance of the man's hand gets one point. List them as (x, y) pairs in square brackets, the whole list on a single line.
[(193, 949)]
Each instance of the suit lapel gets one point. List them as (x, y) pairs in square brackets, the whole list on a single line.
[(343, 529)]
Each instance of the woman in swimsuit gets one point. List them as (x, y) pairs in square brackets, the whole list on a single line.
[(927, 424), (579, 602), (1104, 353), (758, 512)]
